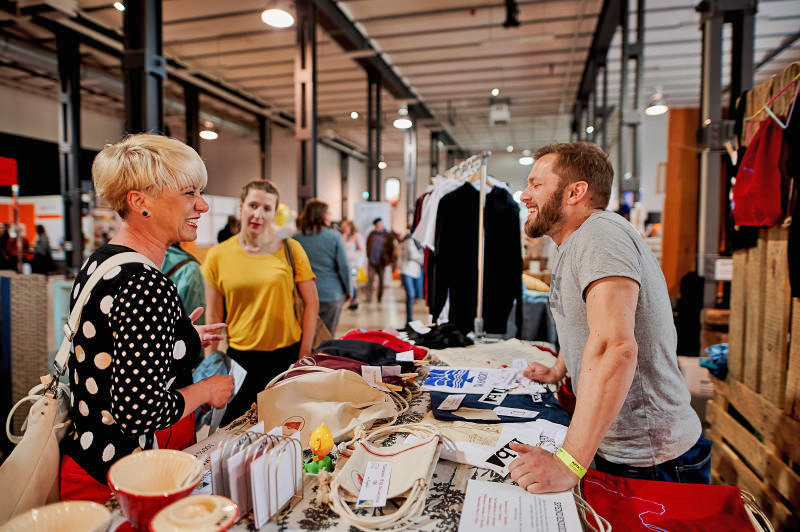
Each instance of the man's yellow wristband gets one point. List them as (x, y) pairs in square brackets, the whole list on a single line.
[(570, 462)]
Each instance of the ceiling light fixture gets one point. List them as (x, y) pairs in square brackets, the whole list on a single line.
[(526, 153), (278, 16), (590, 129), (119, 6), (382, 165), (526, 161), (509, 148), (209, 132), (403, 122), (495, 92), (354, 115), (655, 104)]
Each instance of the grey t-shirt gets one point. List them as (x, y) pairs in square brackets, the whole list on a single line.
[(656, 422)]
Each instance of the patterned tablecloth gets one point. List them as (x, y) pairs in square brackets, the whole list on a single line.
[(442, 508)]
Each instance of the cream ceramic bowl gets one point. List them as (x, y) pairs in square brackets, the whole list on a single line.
[(198, 513), (148, 481), (75, 516)]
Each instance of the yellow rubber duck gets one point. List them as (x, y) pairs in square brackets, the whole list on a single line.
[(321, 442)]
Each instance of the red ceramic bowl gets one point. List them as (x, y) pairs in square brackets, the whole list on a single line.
[(148, 481)]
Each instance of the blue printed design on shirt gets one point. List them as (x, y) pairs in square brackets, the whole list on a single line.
[(453, 378)]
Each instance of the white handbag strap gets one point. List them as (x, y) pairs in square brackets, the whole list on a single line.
[(70, 328)]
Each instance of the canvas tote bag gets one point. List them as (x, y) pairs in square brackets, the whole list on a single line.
[(413, 463), (340, 398), (29, 475), (321, 333)]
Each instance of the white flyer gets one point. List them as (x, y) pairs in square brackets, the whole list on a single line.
[(507, 508)]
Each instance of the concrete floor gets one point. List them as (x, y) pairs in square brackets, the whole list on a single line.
[(390, 312)]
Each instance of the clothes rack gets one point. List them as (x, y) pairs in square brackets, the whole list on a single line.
[(479, 331)]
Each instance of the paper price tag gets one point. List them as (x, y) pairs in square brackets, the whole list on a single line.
[(405, 356), (389, 371), (494, 397), (515, 412), (375, 485), (371, 374), (537, 397), (452, 402)]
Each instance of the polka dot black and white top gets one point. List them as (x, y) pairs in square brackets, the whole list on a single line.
[(127, 363)]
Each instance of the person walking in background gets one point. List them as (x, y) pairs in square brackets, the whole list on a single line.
[(184, 270), (42, 258), (411, 260), (380, 253), (231, 228), (356, 253), (326, 252), (18, 246), (251, 276)]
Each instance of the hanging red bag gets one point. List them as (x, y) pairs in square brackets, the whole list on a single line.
[(757, 190), (646, 505)]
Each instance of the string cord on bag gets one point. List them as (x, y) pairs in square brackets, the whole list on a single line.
[(589, 517), (412, 507)]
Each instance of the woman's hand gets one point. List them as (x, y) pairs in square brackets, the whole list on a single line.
[(209, 334), (218, 390)]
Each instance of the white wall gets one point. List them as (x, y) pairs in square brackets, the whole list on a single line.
[(654, 151), (329, 180), (356, 183), (31, 115), (231, 162)]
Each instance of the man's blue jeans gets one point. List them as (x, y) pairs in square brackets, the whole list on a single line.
[(692, 467), (413, 288)]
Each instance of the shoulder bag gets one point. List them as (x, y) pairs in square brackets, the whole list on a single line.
[(321, 333), (29, 475), (339, 398)]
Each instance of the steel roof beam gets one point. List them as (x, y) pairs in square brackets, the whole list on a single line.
[(607, 24)]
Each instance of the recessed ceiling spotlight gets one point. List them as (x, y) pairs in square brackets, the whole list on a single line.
[(354, 115), (509, 148), (277, 17), (495, 92), (402, 123), (382, 165), (119, 6), (526, 153), (526, 161), (590, 129)]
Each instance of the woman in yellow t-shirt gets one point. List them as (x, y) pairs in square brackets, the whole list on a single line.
[(250, 274)]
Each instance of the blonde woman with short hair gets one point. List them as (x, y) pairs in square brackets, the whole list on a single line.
[(130, 369)]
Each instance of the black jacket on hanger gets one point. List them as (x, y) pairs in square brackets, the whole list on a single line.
[(456, 268)]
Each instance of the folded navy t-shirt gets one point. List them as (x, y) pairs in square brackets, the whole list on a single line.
[(548, 409)]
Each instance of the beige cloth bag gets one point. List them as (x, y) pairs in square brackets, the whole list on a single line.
[(413, 463), (340, 398), (29, 475)]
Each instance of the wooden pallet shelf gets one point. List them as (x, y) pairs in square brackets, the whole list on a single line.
[(754, 417)]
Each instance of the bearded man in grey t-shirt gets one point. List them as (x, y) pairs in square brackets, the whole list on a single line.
[(612, 311)]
